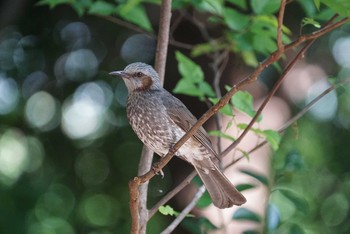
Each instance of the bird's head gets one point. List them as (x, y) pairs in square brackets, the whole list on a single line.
[(139, 77)]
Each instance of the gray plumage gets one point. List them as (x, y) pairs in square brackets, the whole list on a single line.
[(159, 119)]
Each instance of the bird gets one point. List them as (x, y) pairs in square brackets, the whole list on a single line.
[(159, 119)]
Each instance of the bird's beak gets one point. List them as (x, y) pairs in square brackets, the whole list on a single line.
[(123, 74)]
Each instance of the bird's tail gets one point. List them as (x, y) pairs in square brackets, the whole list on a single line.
[(221, 190)]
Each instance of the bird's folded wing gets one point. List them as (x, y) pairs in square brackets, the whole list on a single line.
[(183, 118)]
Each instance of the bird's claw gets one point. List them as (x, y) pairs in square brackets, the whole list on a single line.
[(157, 170)]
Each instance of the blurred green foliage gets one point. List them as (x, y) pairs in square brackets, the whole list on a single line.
[(67, 152)]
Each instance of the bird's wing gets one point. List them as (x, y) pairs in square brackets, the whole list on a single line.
[(182, 117)]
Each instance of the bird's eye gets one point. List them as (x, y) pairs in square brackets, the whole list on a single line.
[(139, 74)]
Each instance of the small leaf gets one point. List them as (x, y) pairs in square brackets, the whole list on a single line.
[(263, 179), (228, 125), (206, 89), (242, 187), (309, 21), (317, 4), (200, 49), (245, 214), (265, 6), (188, 69), (249, 58), (136, 15), (221, 134), (101, 8), (243, 101), (235, 20), (242, 126), (272, 137), (342, 7), (300, 203), (188, 88), (167, 210)]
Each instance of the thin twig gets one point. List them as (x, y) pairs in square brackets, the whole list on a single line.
[(280, 25), (185, 211)]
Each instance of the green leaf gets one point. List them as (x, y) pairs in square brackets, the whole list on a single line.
[(265, 6), (242, 187), (263, 179), (212, 6), (167, 210), (272, 137), (317, 4), (249, 58), (101, 8), (235, 20), (218, 133), (188, 69), (243, 101), (81, 6), (136, 15), (200, 49), (226, 110), (204, 201), (206, 89), (308, 21), (342, 7), (245, 214), (300, 203), (187, 87)]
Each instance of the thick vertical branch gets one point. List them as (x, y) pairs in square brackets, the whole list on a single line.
[(163, 38), (280, 25), (138, 191)]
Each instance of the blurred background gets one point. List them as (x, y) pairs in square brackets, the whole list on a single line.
[(67, 151)]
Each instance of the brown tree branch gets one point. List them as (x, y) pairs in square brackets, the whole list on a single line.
[(280, 25), (138, 192), (163, 38)]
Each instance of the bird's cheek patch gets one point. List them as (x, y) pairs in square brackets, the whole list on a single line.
[(146, 82)]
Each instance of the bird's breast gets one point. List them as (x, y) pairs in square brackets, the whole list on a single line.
[(148, 118)]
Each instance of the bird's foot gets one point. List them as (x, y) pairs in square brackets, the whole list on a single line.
[(157, 170)]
